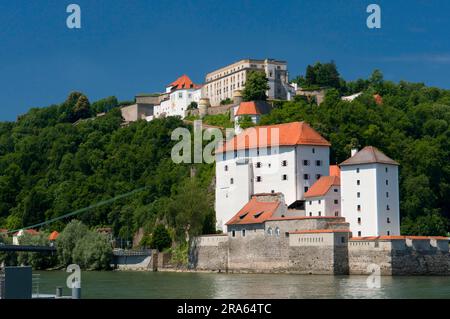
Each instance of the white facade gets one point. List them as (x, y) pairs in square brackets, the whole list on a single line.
[(289, 170), (327, 205), (177, 102), (370, 199)]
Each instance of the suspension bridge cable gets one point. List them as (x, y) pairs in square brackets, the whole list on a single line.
[(81, 210)]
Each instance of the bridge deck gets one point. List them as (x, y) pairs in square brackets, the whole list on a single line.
[(27, 248)]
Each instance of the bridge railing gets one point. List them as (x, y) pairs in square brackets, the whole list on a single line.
[(132, 252)]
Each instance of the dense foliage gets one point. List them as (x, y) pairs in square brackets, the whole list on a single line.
[(411, 126), (51, 163)]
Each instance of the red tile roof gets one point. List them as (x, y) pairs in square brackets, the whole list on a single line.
[(28, 231), (321, 186), (254, 212), (368, 155), (53, 235), (183, 82), (248, 108), (378, 99), (320, 231), (335, 171), (289, 134)]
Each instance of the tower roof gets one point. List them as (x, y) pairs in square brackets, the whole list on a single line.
[(369, 155), (295, 133), (322, 186)]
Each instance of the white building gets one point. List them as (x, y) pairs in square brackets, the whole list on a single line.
[(324, 197), (287, 158), (180, 94), (369, 193), (220, 84)]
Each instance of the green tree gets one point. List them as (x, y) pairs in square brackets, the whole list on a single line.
[(255, 87), (82, 108), (93, 252), (160, 238), (74, 232), (245, 121)]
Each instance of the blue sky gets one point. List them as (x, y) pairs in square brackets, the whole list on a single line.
[(130, 46)]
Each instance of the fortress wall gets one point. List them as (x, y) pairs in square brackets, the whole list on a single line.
[(362, 254), (258, 253), (209, 253)]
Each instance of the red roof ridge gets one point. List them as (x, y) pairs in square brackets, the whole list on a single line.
[(183, 82)]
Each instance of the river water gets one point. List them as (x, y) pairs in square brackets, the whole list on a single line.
[(114, 284)]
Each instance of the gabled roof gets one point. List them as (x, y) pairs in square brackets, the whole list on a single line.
[(254, 212), (322, 185), (248, 108), (183, 82), (289, 134), (369, 155), (335, 171)]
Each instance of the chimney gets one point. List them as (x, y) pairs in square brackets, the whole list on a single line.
[(354, 151)]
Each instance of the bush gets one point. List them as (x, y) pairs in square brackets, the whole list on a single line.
[(68, 239), (180, 255), (93, 252)]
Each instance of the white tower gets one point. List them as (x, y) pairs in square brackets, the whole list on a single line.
[(369, 194)]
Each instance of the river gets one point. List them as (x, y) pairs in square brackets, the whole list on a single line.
[(110, 285)]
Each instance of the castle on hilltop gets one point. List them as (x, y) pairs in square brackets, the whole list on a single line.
[(281, 207), (219, 94)]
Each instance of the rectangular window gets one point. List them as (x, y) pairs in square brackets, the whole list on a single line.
[(310, 202), (284, 177), (233, 233), (358, 194), (388, 220), (231, 181), (387, 194), (258, 165), (306, 189), (358, 182), (318, 163), (319, 201), (284, 163), (246, 152), (336, 213), (235, 154), (243, 233), (258, 179), (305, 176), (269, 150), (359, 220), (305, 162), (226, 168), (387, 207), (387, 182), (357, 170), (336, 201), (318, 176), (180, 95), (358, 208), (359, 234), (386, 169), (320, 213)]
